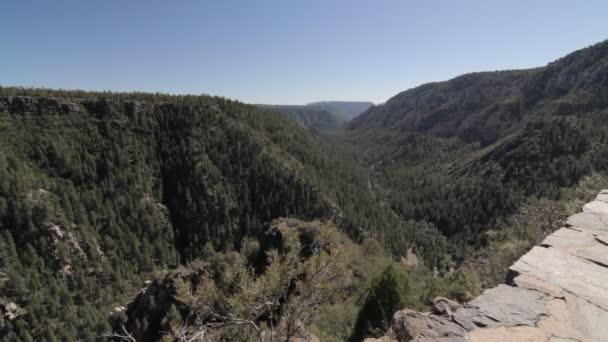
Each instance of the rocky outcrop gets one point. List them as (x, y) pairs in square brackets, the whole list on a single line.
[(408, 325), (29, 105), (444, 306), (558, 292), (503, 306), (11, 311)]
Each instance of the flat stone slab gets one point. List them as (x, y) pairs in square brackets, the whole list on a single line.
[(503, 305), (577, 276), (563, 322), (596, 207), (560, 293), (602, 197), (581, 243), (587, 221), (589, 319), (526, 281)]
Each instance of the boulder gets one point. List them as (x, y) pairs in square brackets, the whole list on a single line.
[(408, 325), (444, 306)]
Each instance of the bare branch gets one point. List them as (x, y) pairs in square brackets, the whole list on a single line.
[(126, 337)]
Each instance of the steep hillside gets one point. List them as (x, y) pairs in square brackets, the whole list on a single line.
[(483, 107), (313, 118), (92, 180), (464, 153), (101, 192)]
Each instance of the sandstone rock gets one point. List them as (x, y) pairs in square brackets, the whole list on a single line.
[(526, 281), (587, 318), (408, 325), (596, 207), (586, 220), (602, 197), (562, 320), (503, 306), (380, 339), (579, 243), (580, 277), (410, 259), (509, 334), (444, 306), (560, 293), (601, 237)]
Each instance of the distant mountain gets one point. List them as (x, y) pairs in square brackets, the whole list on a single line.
[(322, 116), (485, 106), (310, 117), (346, 109)]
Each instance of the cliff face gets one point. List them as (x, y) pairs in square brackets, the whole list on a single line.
[(558, 291)]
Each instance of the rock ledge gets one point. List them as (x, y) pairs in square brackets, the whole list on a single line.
[(559, 293)]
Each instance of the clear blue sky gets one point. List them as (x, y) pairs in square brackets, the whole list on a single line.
[(283, 51)]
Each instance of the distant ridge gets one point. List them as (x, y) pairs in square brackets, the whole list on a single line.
[(347, 109), (486, 106), (326, 115)]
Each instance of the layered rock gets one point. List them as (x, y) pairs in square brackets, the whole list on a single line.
[(558, 292)]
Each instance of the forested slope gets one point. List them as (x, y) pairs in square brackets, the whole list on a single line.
[(313, 118), (101, 190), (485, 106), (464, 153)]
